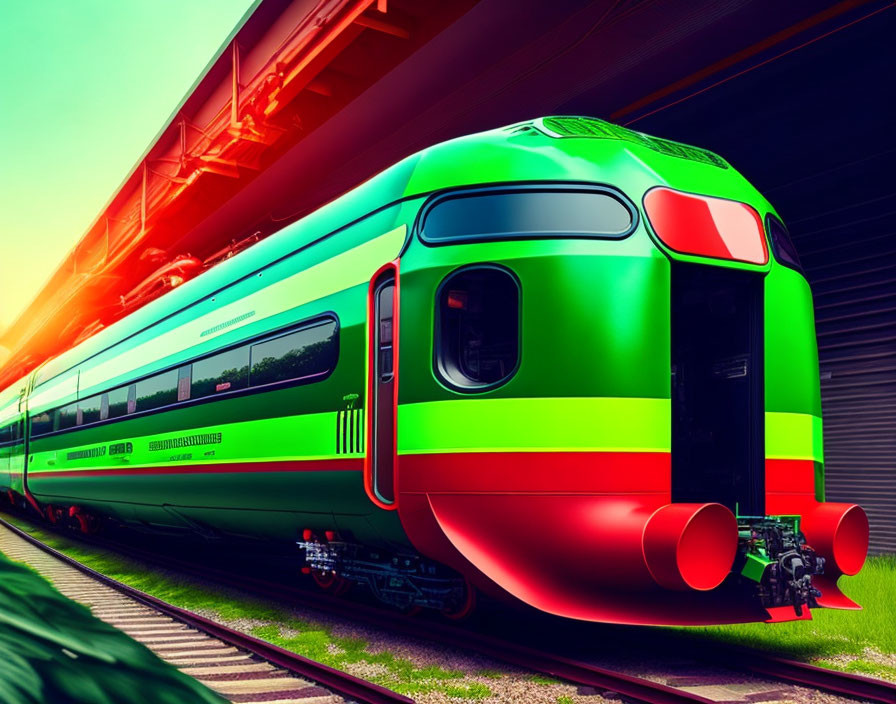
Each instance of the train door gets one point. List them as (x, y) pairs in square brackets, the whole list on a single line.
[(17, 456), (5, 451), (16, 450), (718, 443), (383, 386)]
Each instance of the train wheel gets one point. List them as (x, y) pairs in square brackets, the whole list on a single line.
[(88, 524), (52, 516), (330, 582), (466, 606)]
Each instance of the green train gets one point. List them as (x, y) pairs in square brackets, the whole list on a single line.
[(560, 362)]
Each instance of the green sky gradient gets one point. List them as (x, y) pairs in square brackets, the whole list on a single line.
[(85, 86)]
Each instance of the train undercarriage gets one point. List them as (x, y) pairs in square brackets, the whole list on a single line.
[(407, 582), (773, 562)]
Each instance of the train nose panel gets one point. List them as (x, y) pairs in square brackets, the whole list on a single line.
[(610, 558)]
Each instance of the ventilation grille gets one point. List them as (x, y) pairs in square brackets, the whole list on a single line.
[(592, 127), (350, 431)]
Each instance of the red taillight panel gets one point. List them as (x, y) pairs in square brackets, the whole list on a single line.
[(706, 226)]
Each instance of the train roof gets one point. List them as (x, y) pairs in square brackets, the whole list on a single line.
[(560, 148)]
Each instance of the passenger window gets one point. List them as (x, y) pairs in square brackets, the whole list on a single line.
[(41, 424), (67, 417), (6, 434), (303, 354), (89, 410), (228, 371), (118, 402), (477, 328), (157, 391)]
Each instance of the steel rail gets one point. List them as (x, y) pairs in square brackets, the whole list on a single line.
[(845, 683), (349, 686), (732, 657)]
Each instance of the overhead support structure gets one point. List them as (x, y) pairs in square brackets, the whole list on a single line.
[(285, 70)]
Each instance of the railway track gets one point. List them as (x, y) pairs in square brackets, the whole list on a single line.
[(240, 668), (601, 679)]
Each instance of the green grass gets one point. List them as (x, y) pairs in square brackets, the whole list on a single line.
[(308, 638), (475, 691), (830, 632), (864, 667), (490, 674)]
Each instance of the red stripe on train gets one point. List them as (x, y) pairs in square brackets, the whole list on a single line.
[(790, 477), (334, 465), (539, 472)]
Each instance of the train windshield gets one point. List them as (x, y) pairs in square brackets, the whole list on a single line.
[(526, 213)]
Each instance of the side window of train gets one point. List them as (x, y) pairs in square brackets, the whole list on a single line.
[(782, 245), (227, 371), (477, 329), (117, 402), (41, 424), (308, 354), (11, 433), (66, 417), (305, 354), (157, 390), (89, 410)]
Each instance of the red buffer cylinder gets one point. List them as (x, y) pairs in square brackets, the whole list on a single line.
[(839, 533), (690, 546)]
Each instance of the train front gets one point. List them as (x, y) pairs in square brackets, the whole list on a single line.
[(617, 415)]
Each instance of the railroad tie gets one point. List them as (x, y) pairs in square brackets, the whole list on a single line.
[(236, 675)]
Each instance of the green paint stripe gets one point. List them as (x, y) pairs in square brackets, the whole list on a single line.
[(793, 436), (305, 437), (535, 424)]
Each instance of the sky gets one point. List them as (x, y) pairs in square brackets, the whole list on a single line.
[(85, 86)]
